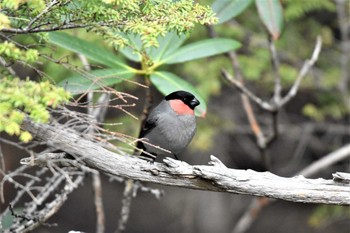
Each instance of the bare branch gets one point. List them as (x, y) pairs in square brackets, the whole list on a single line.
[(130, 185), (302, 73), (96, 182), (97, 114), (275, 65), (177, 173), (326, 161), (130, 188), (262, 104), (258, 203), (292, 92), (261, 139), (50, 209), (57, 27), (9, 68), (254, 125), (46, 10), (254, 208)]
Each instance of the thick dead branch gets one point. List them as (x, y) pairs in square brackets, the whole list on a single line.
[(326, 161), (257, 204), (217, 177)]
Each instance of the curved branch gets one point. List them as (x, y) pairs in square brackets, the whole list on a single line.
[(217, 177), (60, 27)]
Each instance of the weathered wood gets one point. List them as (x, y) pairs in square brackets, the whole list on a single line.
[(215, 177)]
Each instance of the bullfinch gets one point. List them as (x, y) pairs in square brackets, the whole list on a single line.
[(169, 127)]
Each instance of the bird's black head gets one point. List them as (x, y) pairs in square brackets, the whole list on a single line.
[(186, 97)]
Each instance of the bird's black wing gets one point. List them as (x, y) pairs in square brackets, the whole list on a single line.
[(150, 123)]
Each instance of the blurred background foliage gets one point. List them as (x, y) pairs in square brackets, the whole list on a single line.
[(323, 94)]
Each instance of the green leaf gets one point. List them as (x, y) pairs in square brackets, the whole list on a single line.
[(135, 41), (25, 137), (201, 49), (89, 49), (167, 83), (271, 14), (95, 80), (167, 45), (228, 9)]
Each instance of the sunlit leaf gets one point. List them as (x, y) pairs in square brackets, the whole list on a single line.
[(228, 9), (201, 49), (91, 50), (271, 14), (167, 83), (95, 80)]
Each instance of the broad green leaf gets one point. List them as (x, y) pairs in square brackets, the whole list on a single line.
[(134, 40), (89, 49), (201, 49), (271, 14), (95, 79), (167, 45), (228, 9), (167, 83)]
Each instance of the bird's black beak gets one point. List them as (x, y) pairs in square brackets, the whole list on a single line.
[(194, 102)]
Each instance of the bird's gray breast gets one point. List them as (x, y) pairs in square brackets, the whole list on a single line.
[(173, 132)]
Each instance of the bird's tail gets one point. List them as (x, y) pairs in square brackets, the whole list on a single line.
[(148, 156), (144, 154)]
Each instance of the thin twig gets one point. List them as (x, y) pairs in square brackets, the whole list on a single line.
[(46, 10), (261, 139), (65, 26), (96, 183), (292, 92), (262, 104), (130, 184), (254, 125), (2, 162), (275, 67), (9, 68), (97, 114), (49, 209), (302, 73), (148, 103), (126, 204)]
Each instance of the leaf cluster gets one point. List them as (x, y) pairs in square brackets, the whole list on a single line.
[(149, 18), (11, 52), (20, 98), (151, 61)]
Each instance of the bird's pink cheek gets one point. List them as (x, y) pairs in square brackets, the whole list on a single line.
[(180, 108)]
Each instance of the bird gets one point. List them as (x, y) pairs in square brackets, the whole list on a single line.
[(170, 126)]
